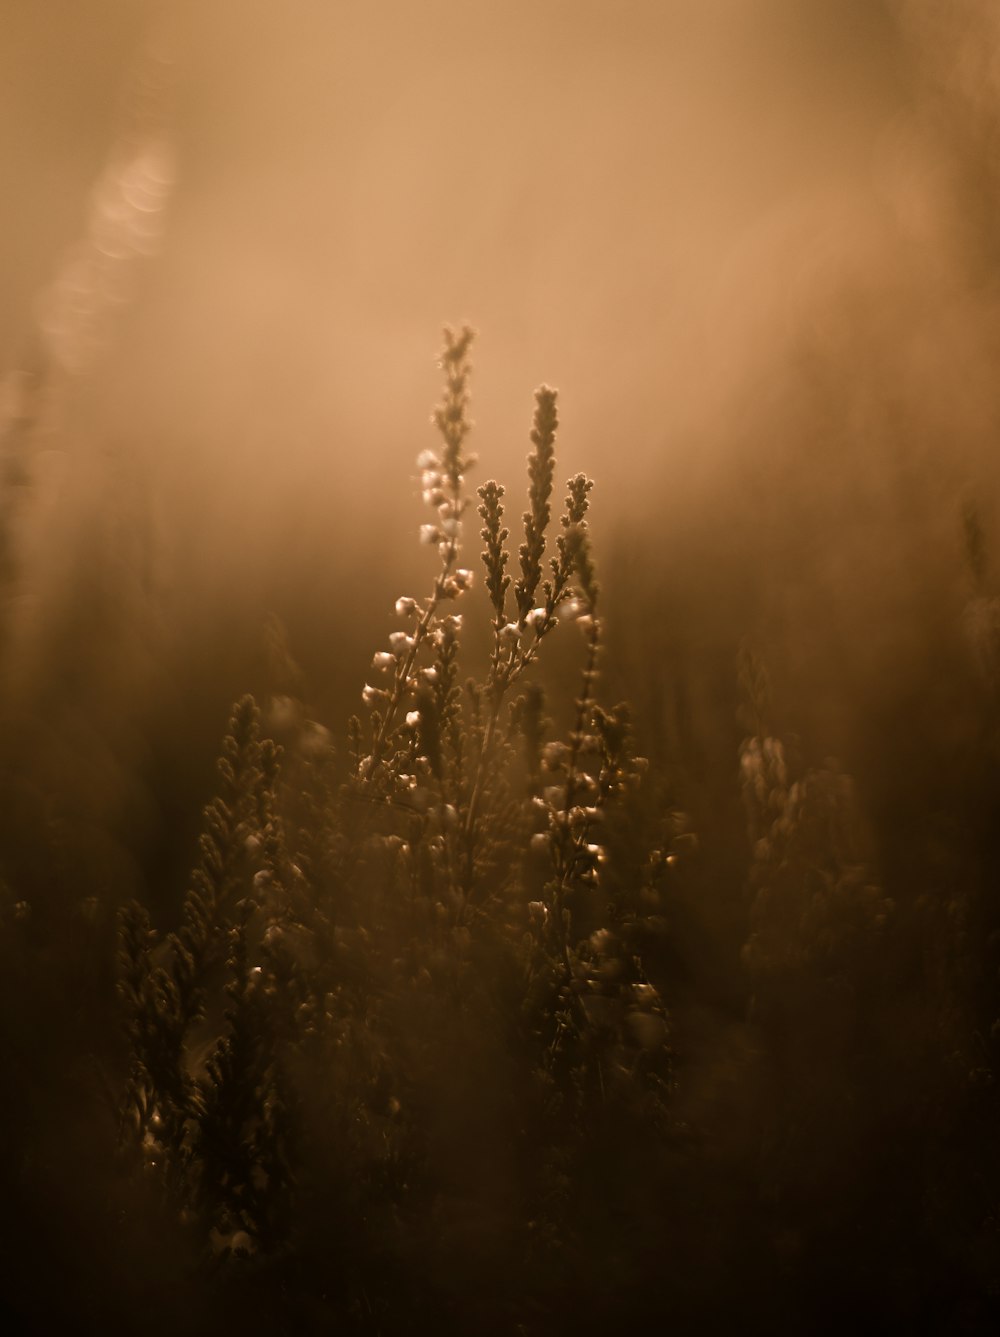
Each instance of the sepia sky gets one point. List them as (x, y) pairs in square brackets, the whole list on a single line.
[(750, 241), (595, 186)]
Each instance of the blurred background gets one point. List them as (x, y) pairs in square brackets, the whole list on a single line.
[(754, 243)]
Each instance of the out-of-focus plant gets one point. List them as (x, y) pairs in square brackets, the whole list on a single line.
[(206, 1110), (817, 910), (818, 924)]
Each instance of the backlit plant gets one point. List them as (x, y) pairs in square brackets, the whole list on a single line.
[(453, 871)]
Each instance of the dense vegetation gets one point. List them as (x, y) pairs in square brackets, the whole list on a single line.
[(470, 1019)]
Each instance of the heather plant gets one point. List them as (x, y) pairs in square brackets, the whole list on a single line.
[(404, 1056), (817, 909), (358, 933), (206, 1112), (399, 1060), (495, 806), (819, 923)]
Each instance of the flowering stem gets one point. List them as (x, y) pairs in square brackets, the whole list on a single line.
[(573, 841), (443, 486)]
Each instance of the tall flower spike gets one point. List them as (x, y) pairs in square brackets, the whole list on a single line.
[(577, 499), (443, 480), (578, 550), (568, 543), (541, 464), (494, 535), (450, 416)]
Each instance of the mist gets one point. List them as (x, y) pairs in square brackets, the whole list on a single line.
[(753, 244), (738, 238)]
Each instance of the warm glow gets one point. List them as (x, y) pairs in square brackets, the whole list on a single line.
[(500, 1009)]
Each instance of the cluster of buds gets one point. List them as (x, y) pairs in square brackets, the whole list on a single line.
[(536, 621), (391, 701), (432, 481), (446, 530), (411, 697), (400, 658), (445, 630), (456, 583), (566, 813), (766, 792), (620, 771), (619, 1003)]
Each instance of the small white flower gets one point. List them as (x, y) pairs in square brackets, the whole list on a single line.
[(406, 607), (429, 675), (535, 619), (400, 643), (371, 694), (413, 719), (430, 534), (540, 843), (428, 460), (510, 634), (383, 660), (463, 578)]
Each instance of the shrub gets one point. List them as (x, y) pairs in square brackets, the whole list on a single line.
[(398, 967)]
